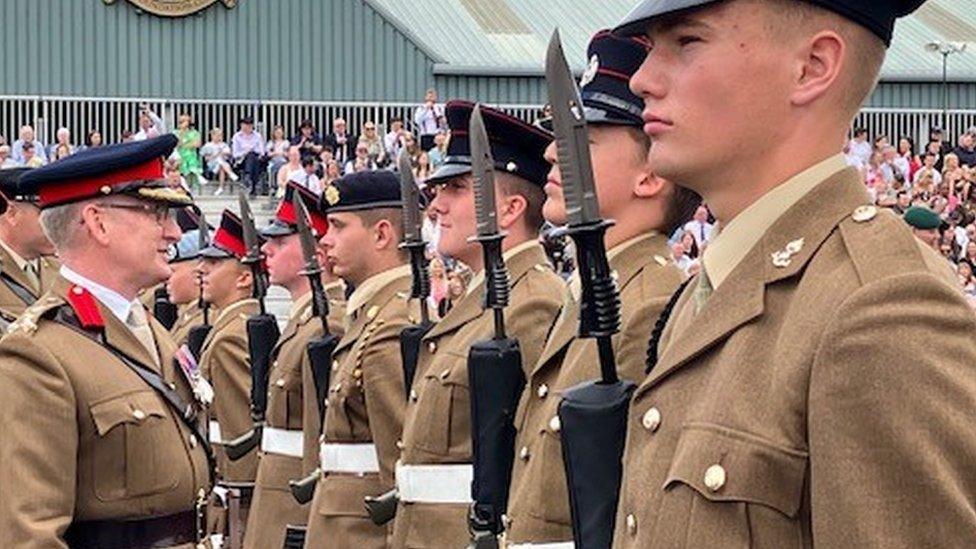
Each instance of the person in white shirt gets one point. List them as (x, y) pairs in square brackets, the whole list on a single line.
[(860, 149), (27, 136), (306, 176), (699, 227), (425, 119), (150, 125)]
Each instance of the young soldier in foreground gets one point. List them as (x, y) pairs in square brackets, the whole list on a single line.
[(224, 361), (434, 480), (102, 440), (646, 209), (280, 460), (364, 415), (777, 414)]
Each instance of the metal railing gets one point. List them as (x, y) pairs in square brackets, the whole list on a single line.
[(113, 116)]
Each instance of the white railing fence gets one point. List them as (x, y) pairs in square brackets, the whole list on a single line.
[(113, 116)]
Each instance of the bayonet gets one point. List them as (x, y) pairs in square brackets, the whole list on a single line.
[(253, 257), (203, 240), (320, 304), (413, 240)]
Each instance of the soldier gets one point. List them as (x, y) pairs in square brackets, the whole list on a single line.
[(273, 507), (103, 444), (25, 272), (777, 412), (646, 209), (183, 286), (434, 479), (224, 361), (364, 415)]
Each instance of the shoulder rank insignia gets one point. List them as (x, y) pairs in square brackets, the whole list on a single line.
[(27, 322), (784, 257), (85, 307)]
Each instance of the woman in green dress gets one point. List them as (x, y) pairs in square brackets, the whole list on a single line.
[(188, 148)]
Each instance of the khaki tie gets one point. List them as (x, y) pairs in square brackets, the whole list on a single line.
[(31, 271), (139, 325), (703, 290)]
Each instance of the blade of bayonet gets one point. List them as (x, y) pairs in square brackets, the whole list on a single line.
[(483, 171), (203, 231), (410, 193), (251, 242), (307, 239), (572, 141)]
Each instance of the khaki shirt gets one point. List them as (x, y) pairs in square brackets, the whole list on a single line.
[(189, 316), (226, 364), (85, 438), (13, 303), (782, 416), (539, 499), (273, 507), (438, 424), (365, 405)]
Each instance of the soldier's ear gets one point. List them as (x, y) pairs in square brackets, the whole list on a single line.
[(511, 208), (649, 186), (91, 217), (384, 235), (244, 279)]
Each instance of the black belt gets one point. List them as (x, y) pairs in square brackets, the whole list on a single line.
[(147, 533)]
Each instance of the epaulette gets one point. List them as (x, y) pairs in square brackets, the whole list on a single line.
[(900, 254), (85, 307), (27, 322)]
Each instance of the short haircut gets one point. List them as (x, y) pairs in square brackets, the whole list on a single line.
[(394, 216), (59, 223), (533, 194)]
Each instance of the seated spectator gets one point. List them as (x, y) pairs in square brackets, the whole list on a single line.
[(216, 153), (150, 125), (906, 150), (374, 144), (965, 273), (360, 162), (412, 147), (306, 176), (62, 146), (31, 159), (422, 169), (309, 142), (690, 245), (439, 152), (966, 150), (294, 164), (332, 172), (903, 201), (247, 148), (928, 170), (859, 150), (438, 283), (700, 227), (172, 174), (679, 253), (92, 139), (276, 153), (873, 171), (6, 161), (457, 288), (393, 141), (27, 136), (343, 143)]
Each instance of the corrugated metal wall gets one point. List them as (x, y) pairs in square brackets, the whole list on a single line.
[(923, 95), (262, 49), (512, 90)]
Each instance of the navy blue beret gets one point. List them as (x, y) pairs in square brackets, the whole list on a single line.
[(11, 186), (878, 16), (605, 84), (134, 168), (358, 191), (517, 147)]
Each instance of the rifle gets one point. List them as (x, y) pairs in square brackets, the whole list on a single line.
[(319, 350), (593, 414), (382, 508), (494, 366), (164, 310), (198, 334), (262, 335)]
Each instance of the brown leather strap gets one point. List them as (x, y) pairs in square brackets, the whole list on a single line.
[(147, 533)]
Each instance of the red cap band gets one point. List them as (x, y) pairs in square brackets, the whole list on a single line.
[(80, 189)]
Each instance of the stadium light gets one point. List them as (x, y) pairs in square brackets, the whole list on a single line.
[(945, 49)]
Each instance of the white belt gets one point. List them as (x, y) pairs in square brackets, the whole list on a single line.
[(434, 483), (348, 458), (287, 442), (214, 433), (552, 545)]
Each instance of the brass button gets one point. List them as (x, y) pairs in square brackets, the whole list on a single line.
[(280, 382), (139, 414), (631, 524), (193, 440), (399, 445), (651, 419), (335, 364), (445, 374), (77, 290), (524, 453), (274, 364), (171, 385), (864, 213), (413, 395), (715, 477), (555, 424), (543, 390), (432, 347), (357, 373)]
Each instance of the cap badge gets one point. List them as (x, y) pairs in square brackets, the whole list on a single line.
[(590, 73), (332, 195), (511, 167)]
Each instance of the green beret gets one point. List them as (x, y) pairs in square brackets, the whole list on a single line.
[(921, 217)]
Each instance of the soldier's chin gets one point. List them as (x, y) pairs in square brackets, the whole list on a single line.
[(554, 212)]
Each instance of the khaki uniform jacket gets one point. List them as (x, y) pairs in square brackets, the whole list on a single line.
[(190, 315), (273, 507), (365, 404), (438, 425), (826, 401), (225, 363), (85, 438), (12, 305), (538, 499)]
